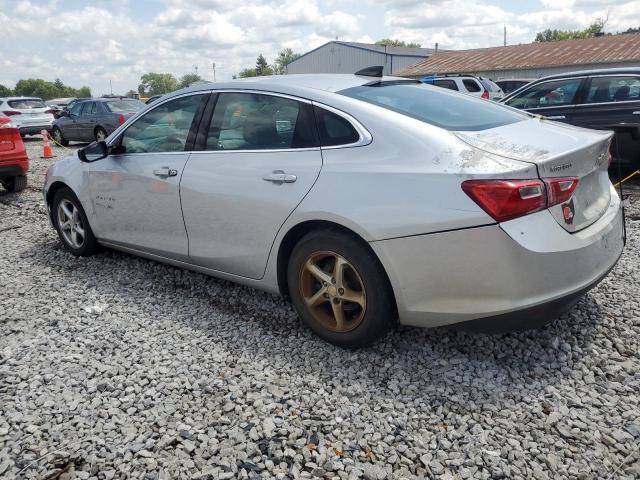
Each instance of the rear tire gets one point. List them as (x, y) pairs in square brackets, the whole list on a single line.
[(58, 137), (15, 184), (72, 225), (339, 289), (100, 134)]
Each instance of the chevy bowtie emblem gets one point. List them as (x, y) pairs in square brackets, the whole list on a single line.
[(568, 212)]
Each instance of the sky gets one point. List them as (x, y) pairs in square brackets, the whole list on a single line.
[(94, 42)]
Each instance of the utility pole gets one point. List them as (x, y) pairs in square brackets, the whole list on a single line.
[(195, 67), (214, 71), (505, 34), (110, 87)]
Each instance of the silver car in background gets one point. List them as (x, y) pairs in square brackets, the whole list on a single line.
[(29, 114), (366, 200)]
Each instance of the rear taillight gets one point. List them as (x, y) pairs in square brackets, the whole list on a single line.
[(9, 113), (5, 122), (485, 95), (508, 199), (559, 190), (121, 119)]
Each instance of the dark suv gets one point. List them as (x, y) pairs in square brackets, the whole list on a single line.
[(93, 119), (607, 99)]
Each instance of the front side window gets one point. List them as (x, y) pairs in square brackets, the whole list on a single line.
[(450, 84), (251, 121), (75, 109), (547, 94), (613, 89), (163, 129), (471, 85), (437, 106)]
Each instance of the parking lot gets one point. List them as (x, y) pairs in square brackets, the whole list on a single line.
[(118, 367)]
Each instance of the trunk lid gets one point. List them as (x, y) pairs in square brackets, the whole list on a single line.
[(558, 150)]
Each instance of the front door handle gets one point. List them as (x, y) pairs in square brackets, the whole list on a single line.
[(637, 112), (165, 172), (278, 176), (556, 117)]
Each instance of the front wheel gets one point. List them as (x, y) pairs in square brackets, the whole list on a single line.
[(72, 225), (15, 184), (339, 289), (59, 138)]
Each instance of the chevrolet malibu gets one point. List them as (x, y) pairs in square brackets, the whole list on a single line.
[(367, 200)]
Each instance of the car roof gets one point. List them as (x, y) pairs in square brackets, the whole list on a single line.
[(302, 85), (21, 98), (595, 71)]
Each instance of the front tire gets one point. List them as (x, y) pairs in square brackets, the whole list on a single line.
[(72, 225), (15, 184), (339, 289), (58, 137)]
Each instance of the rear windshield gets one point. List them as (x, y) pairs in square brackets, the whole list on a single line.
[(437, 106), (489, 85), (26, 103), (122, 106)]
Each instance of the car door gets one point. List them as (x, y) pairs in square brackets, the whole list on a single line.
[(553, 99), (612, 102), (135, 190), (84, 126), (69, 123), (259, 157)]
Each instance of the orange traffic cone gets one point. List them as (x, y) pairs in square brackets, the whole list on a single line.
[(47, 151)]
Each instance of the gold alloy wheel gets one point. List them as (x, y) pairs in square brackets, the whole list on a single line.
[(333, 291)]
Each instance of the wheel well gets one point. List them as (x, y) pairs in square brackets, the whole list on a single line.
[(294, 235)]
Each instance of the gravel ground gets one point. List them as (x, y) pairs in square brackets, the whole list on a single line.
[(118, 367)]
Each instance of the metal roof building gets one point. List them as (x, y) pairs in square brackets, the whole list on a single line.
[(349, 57), (534, 60)]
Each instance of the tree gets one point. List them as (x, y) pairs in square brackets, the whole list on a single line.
[(284, 58), (262, 67), (157, 84), (189, 78), (5, 92), (554, 35), (37, 87), (83, 92), (390, 42), (247, 72)]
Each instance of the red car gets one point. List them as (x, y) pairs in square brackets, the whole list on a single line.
[(14, 162)]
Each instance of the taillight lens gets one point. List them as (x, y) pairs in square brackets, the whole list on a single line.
[(508, 199), (121, 119), (485, 95), (5, 122), (559, 190), (9, 113)]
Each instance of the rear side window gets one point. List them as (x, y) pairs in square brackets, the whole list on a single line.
[(437, 107), (250, 121), (450, 84), (89, 108), (333, 129), (471, 85), (27, 103), (613, 89)]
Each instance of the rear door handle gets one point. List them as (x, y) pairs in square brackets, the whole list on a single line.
[(278, 176), (165, 172), (556, 117), (637, 112)]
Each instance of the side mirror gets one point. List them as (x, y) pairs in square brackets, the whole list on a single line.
[(93, 152), (63, 113)]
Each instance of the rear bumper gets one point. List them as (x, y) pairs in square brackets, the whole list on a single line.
[(522, 273), (14, 170), (34, 129)]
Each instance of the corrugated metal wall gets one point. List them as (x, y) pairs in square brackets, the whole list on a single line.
[(337, 58), (543, 72)]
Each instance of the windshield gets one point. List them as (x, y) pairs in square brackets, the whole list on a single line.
[(437, 106), (122, 106), (26, 103)]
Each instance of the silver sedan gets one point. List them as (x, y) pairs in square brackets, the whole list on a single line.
[(366, 200)]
